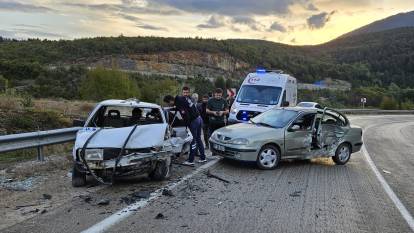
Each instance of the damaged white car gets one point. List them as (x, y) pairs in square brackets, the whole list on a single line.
[(127, 138)]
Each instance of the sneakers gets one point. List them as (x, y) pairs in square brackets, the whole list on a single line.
[(202, 161), (188, 163)]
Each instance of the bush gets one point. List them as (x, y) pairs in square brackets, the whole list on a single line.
[(388, 103), (101, 84)]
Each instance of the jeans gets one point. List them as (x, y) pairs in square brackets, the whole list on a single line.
[(195, 129)]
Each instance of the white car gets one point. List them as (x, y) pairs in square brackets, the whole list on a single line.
[(309, 105), (126, 137)]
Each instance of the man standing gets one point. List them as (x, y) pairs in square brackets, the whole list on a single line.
[(217, 109), (193, 121), (202, 107)]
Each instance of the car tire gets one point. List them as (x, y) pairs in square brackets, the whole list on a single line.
[(268, 157), (162, 170), (342, 154), (78, 177)]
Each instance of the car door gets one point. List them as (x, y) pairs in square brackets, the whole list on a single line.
[(298, 136), (180, 135), (332, 129)]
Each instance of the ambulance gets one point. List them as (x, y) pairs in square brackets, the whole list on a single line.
[(261, 91)]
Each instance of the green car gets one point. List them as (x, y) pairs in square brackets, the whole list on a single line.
[(289, 133)]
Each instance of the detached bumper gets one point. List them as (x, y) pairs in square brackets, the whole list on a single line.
[(236, 152), (129, 161)]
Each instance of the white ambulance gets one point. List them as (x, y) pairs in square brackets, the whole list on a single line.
[(261, 91)]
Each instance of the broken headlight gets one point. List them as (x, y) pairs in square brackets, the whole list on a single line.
[(94, 154), (239, 141)]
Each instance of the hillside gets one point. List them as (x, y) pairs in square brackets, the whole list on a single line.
[(395, 21), (57, 67)]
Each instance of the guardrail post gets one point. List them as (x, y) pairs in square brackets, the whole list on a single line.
[(40, 156)]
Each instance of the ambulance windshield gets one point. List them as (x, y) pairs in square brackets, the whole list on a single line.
[(257, 94)]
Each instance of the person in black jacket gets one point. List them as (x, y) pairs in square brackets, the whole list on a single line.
[(202, 110), (193, 121)]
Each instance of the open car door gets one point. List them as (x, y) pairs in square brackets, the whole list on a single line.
[(330, 129), (180, 135)]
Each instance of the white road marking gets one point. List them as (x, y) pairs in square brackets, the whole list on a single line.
[(397, 202), (108, 222)]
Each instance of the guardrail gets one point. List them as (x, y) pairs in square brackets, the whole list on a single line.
[(37, 140), (375, 111)]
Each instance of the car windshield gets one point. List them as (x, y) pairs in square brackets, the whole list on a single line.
[(123, 116), (276, 118), (306, 105), (256, 94)]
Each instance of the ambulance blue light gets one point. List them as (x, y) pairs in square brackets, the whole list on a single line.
[(260, 71)]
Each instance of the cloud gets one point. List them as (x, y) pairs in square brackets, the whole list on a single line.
[(277, 27), (16, 6), (24, 33), (151, 27), (129, 17), (215, 21), (311, 7), (232, 7), (246, 20), (126, 8), (318, 21)]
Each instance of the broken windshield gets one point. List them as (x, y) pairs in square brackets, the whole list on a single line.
[(125, 116)]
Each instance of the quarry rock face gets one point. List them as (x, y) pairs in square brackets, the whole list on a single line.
[(179, 63)]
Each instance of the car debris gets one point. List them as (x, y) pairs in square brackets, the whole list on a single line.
[(167, 192), (142, 194), (104, 201), (289, 133), (159, 216), (85, 198), (295, 194), (386, 172), (127, 138), (210, 175), (46, 196)]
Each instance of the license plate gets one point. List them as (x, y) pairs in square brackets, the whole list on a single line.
[(219, 147)]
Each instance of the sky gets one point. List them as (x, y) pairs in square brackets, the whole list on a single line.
[(296, 22)]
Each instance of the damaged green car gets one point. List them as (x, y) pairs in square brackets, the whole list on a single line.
[(289, 133)]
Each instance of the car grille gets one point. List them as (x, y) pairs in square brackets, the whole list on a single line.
[(112, 153), (246, 115)]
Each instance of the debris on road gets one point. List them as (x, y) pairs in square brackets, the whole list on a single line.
[(159, 216), (104, 201), (202, 213), (47, 196), (23, 206), (386, 172), (167, 192), (142, 194), (43, 211), (295, 194), (210, 175), (85, 198)]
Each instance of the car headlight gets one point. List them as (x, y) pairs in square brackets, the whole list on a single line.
[(214, 136), (94, 154), (233, 110), (239, 141)]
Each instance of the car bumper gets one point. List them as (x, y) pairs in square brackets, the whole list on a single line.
[(357, 147), (236, 152), (132, 161)]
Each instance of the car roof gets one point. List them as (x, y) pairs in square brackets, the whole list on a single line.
[(128, 103), (304, 102), (302, 109)]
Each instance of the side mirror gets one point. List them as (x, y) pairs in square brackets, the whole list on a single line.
[(78, 123), (294, 128), (285, 104)]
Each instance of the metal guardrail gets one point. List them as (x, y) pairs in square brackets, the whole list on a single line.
[(37, 140), (375, 111)]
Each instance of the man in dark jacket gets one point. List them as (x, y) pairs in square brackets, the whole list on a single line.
[(193, 121), (202, 107)]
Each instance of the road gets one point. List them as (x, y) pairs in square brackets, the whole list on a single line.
[(299, 196)]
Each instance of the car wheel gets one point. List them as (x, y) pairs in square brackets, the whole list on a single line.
[(342, 154), (268, 157), (162, 170), (78, 177)]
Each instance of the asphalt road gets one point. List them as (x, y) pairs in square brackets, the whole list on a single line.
[(299, 196)]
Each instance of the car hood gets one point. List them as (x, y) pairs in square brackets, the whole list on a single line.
[(246, 130), (144, 136)]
